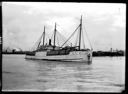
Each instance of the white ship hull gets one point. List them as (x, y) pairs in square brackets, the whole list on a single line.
[(83, 56)]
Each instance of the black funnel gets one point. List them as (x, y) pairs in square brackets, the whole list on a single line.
[(49, 41)]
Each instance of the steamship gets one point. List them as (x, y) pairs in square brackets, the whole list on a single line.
[(51, 52)]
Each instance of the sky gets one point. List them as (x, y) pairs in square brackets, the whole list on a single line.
[(23, 23)]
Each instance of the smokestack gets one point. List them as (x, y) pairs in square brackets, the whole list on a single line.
[(49, 41)]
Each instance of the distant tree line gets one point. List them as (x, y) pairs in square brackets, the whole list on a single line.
[(95, 53), (109, 53)]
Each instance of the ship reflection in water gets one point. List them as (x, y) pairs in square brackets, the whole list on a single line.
[(104, 74)]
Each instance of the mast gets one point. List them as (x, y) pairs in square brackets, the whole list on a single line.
[(54, 35), (80, 32), (43, 35)]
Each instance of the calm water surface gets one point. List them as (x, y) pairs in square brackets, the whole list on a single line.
[(105, 74)]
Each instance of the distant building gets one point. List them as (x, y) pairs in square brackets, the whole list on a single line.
[(13, 50), (8, 50), (111, 50)]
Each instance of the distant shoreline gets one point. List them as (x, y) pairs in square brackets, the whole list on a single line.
[(95, 54)]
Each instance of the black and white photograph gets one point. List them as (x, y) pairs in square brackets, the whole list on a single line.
[(63, 46)]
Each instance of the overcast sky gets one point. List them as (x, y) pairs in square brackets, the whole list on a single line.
[(23, 22)]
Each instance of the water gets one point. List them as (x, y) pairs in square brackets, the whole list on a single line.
[(105, 74)]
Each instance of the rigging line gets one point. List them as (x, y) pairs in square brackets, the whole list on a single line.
[(40, 40), (34, 46), (52, 35), (57, 40), (63, 38), (71, 35), (60, 38), (47, 35), (52, 38), (37, 44), (61, 27), (88, 38), (62, 35), (77, 38)]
